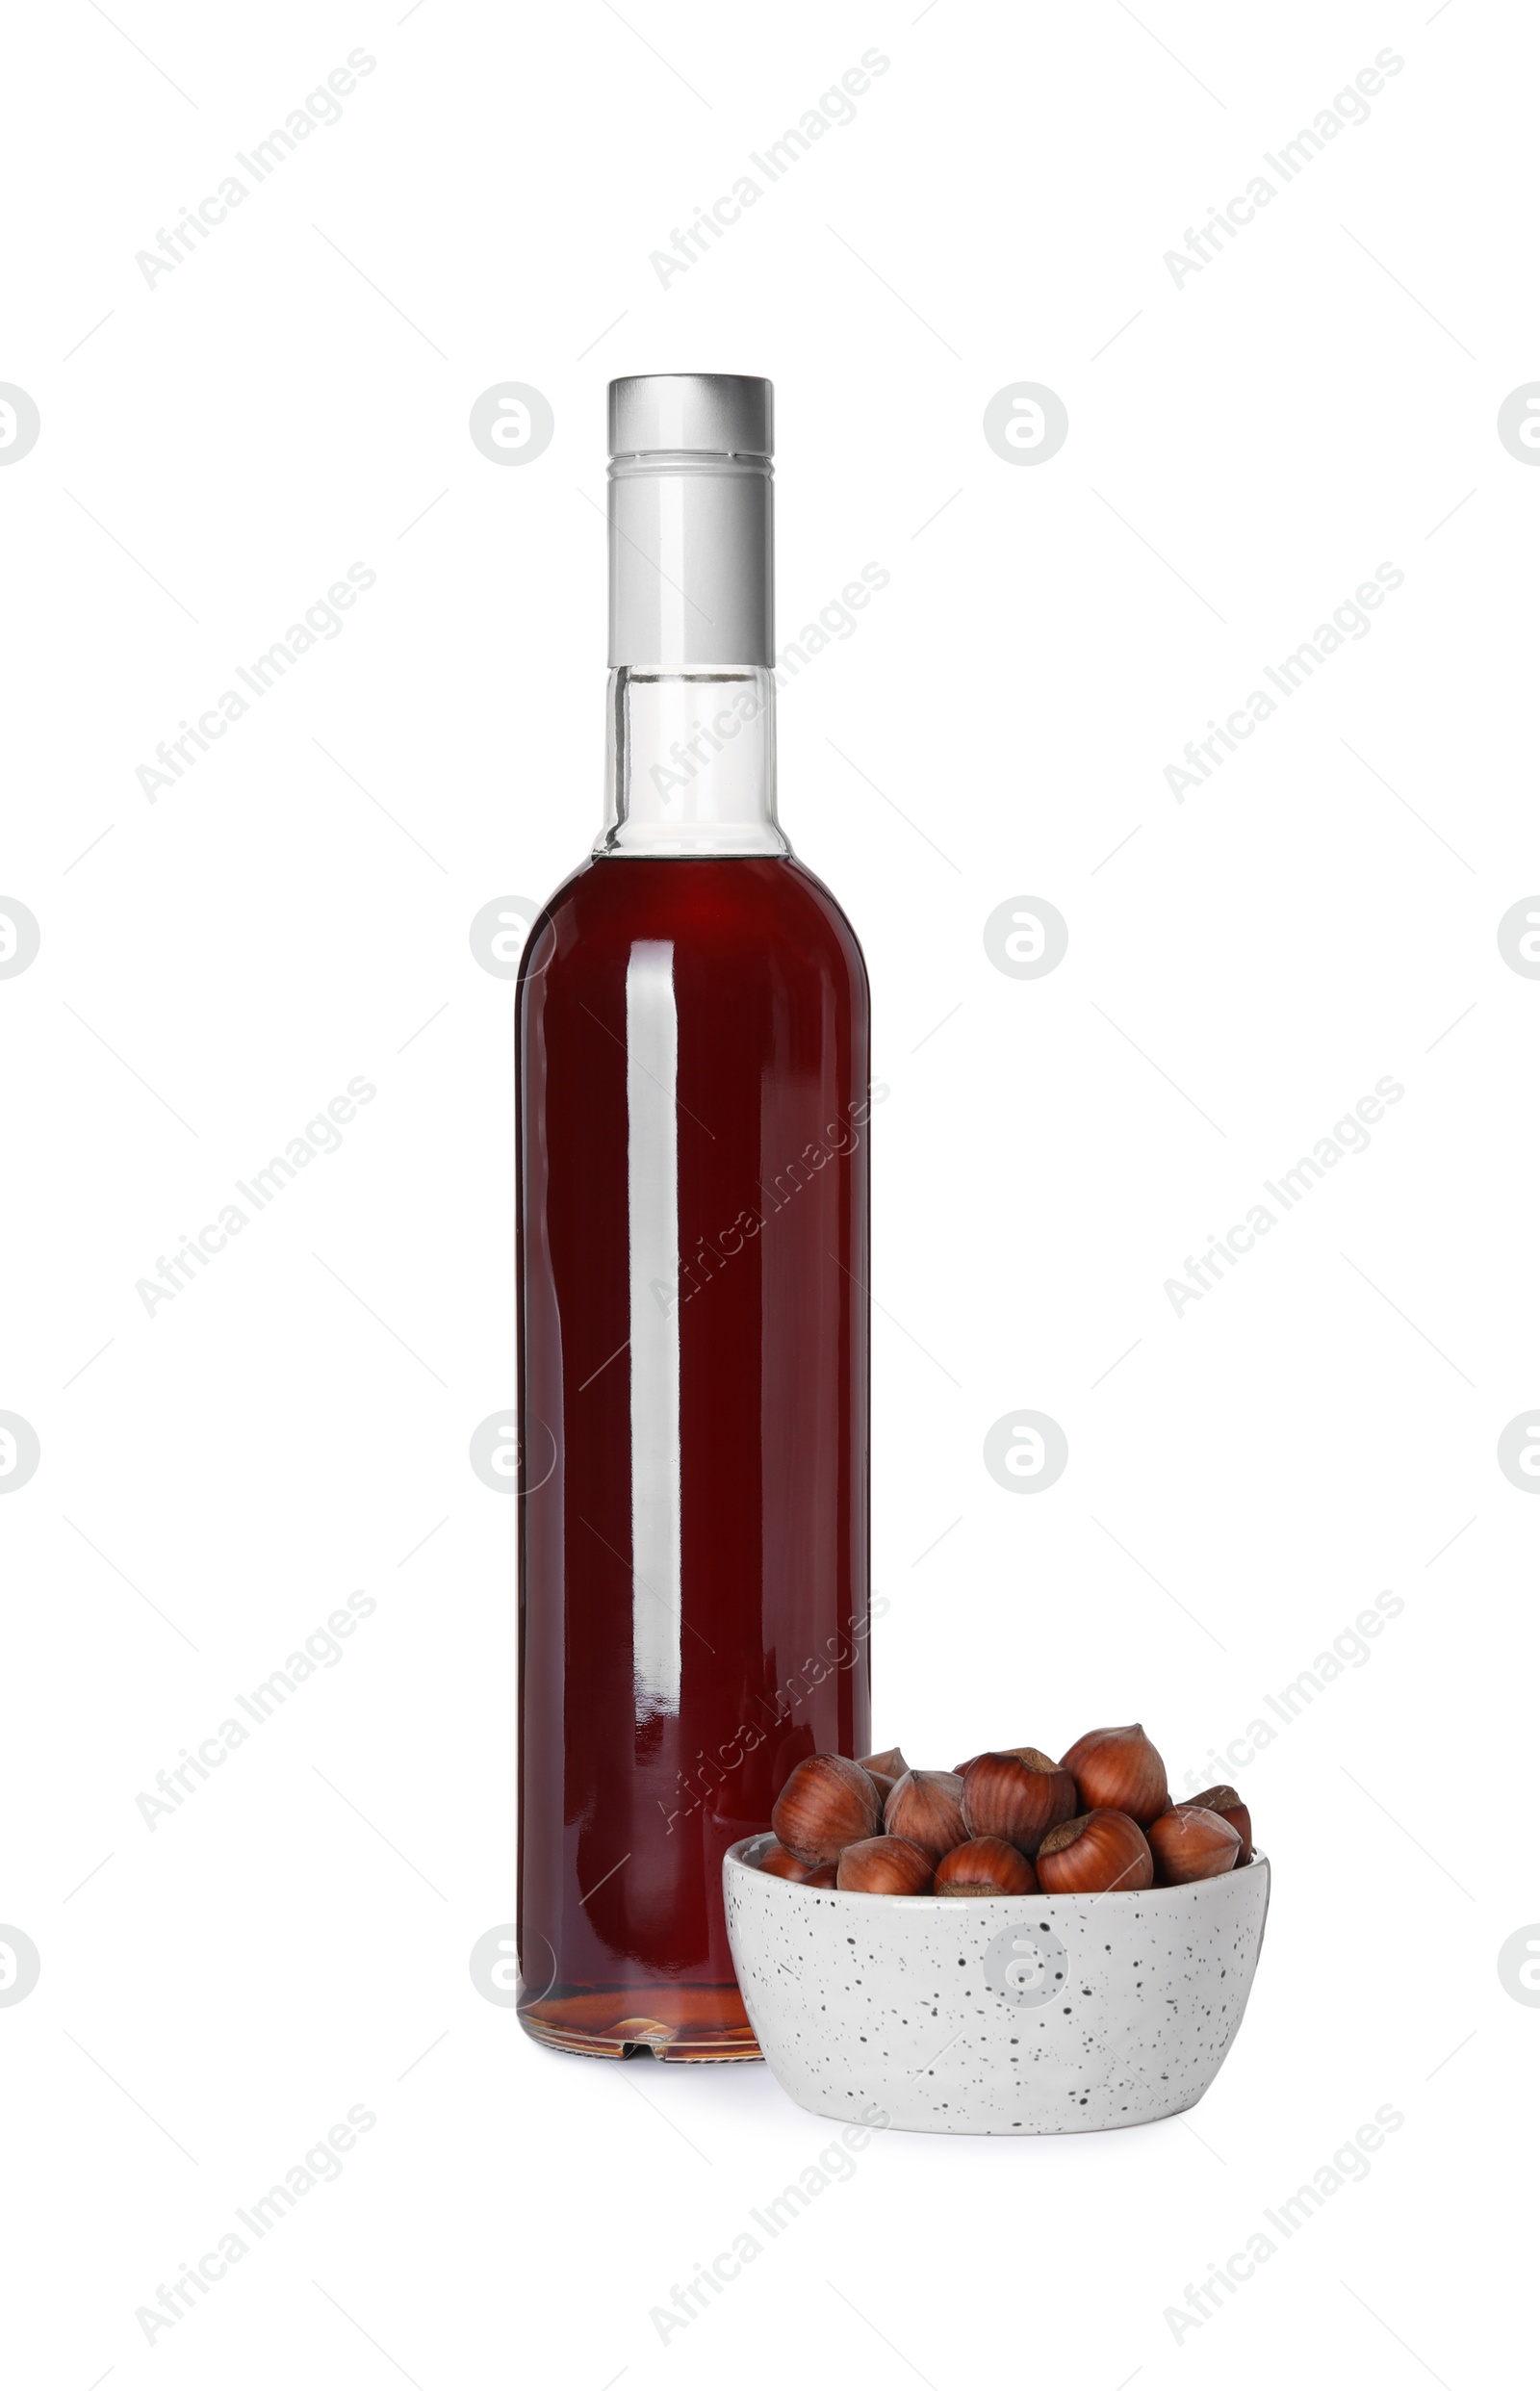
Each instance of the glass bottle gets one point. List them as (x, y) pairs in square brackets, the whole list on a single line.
[(693, 1095)]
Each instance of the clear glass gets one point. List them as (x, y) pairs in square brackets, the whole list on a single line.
[(691, 764)]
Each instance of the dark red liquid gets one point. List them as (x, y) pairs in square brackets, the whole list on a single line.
[(659, 1723)]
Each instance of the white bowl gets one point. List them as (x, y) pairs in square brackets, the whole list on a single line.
[(1012, 2014)]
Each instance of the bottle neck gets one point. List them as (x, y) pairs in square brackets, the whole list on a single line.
[(691, 764)]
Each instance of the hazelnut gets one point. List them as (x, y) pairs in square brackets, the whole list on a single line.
[(886, 1863), (1018, 1795), (985, 1865), (1189, 1844), (1228, 1803), (1118, 1768), (822, 1878), (888, 1763), (1018, 1751), (825, 1804), (1101, 1851), (926, 1805), (779, 1861)]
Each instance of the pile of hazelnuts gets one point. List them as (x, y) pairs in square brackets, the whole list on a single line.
[(1099, 1820)]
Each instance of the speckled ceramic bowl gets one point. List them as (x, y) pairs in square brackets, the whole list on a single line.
[(1021, 2014)]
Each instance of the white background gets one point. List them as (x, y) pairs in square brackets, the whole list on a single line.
[(1244, 448)]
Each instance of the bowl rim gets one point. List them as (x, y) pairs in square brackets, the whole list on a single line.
[(737, 1856)]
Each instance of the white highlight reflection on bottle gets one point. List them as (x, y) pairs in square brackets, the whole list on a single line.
[(653, 1223)]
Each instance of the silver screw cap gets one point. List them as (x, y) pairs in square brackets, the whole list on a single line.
[(691, 562), (705, 414)]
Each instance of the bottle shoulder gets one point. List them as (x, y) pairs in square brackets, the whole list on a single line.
[(730, 906)]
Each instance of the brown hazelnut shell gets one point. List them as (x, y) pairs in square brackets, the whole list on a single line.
[(1118, 1768), (1017, 1796), (1189, 1844), (1100, 1851), (886, 1863), (779, 1861), (825, 1804), (1228, 1803), (1018, 1751), (926, 1805), (984, 1866)]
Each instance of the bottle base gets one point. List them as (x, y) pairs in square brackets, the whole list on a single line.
[(700, 2023)]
